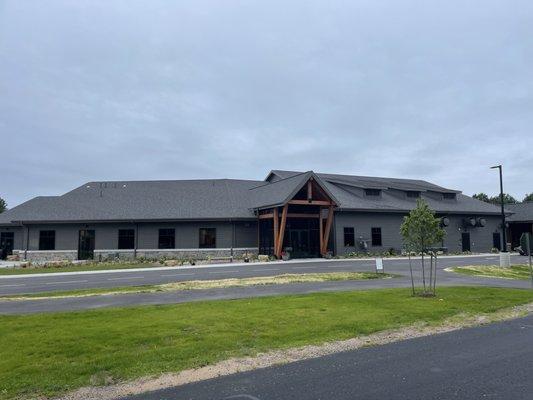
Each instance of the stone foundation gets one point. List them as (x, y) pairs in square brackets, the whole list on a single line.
[(47, 255), (149, 254)]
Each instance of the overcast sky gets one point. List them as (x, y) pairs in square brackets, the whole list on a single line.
[(128, 90)]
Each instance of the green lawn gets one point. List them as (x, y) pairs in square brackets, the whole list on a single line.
[(494, 271), (46, 354), (210, 284), (76, 267)]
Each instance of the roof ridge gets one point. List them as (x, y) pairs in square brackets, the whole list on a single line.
[(281, 180)]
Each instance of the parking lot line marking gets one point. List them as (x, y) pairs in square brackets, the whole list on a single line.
[(178, 274), (125, 278), (12, 285), (304, 267), (59, 282)]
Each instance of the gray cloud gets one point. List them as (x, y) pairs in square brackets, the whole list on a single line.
[(191, 89)]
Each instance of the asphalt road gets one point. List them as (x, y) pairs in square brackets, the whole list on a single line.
[(492, 362), (10, 284), (157, 298)]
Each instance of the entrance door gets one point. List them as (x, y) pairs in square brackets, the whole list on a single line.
[(465, 239), (7, 242), (86, 244), (300, 243), (496, 241)]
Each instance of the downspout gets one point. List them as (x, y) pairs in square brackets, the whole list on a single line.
[(232, 239), (27, 241), (136, 240)]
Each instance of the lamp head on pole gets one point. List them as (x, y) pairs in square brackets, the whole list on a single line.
[(496, 166)]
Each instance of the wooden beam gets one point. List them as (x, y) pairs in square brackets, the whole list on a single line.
[(309, 190), (310, 203), (321, 231), (276, 226), (301, 215), (289, 215), (328, 228), (282, 229)]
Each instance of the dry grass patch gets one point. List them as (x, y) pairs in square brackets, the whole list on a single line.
[(520, 271), (208, 284)]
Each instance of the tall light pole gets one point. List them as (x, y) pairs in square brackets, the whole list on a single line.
[(504, 250)]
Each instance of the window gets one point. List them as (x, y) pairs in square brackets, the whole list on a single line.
[(413, 194), (376, 237), (47, 240), (448, 196), (349, 237), (208, 237), (167, 238), (126, 239), (373, 192)]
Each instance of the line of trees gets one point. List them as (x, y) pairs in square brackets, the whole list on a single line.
[(507, 198)]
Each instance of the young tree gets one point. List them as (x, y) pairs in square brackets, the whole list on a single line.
[(528, 197), (3, 205), (421, 230), (481, 196)]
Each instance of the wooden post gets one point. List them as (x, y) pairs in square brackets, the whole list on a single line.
[(321, 231), (309, 190), (328, 228), (276, 230), (282, 229)]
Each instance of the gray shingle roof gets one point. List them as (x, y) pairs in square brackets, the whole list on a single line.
[(523, 212), (279, 192), (229, 198), (141, 200)]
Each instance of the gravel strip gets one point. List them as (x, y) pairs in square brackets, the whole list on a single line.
[(276, 357)]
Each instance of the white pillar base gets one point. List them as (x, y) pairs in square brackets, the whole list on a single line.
[(505, 260)]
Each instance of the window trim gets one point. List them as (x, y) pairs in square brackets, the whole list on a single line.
[(130, 237), (173, 236), (352, 234), (207, 246), (372, 233), (43, 239)]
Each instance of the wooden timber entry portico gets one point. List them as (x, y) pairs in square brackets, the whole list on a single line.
[(301, 226)]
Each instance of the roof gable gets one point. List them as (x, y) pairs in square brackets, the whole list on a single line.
[(280, 191)]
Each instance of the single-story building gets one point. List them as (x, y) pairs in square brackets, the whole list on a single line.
[(521, 221), (305, 213)]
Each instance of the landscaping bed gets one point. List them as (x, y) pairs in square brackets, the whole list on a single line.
[(46, 355)]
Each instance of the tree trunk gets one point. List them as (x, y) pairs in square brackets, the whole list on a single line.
[(423, 273), (411, 270), (435, 277), (430, 271)]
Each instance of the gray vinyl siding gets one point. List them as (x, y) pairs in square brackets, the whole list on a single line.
[(480, 237), (363, 224), (17, 235), (187, 234), (106, 235)]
